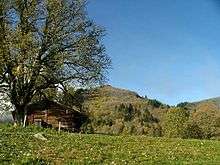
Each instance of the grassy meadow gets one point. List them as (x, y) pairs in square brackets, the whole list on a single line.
[(19, 146)]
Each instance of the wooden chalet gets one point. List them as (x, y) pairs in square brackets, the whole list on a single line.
[(52, 114)]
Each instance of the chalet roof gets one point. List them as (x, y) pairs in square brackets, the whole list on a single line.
[(47, 104)]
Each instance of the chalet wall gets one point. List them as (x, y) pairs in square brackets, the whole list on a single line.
[(51, 117)]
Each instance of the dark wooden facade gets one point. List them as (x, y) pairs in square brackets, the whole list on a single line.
[(52, 114)]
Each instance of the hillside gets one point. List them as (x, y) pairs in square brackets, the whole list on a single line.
[(113, 111), (104, 99), (19, 146), (205, 105), (118, 111)]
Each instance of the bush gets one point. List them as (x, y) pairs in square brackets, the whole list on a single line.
[(129, 129), (155, 130), (118, 127), (182, 105), (208, 121), (155, 103), (105, 129), (126, 119), (87, 127), (125, 112), (175, 123), (192, 130)]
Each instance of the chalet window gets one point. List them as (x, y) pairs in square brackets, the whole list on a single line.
[(38, 122)]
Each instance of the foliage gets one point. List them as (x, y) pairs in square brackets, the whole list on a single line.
[(125, 112), (175, 122), (155, 130), (115, 111), (119, 110), (47, 44), (72, 97), (192, 130), (118, 127), (19, 146), (124, 119), (5, 103), (208, 121), (155, 103), (182, 105), (87, 127)]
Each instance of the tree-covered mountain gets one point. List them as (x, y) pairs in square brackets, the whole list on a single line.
[(113, 111), (118, 111), (205, 105)]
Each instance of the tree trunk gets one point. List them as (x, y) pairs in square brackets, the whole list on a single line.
[(19, 114)]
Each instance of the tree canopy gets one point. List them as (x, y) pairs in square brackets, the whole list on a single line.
[(45, 44), (175, 122)]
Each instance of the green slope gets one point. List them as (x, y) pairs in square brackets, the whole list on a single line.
[(103, 100), (209, 104), (18, 145), (102, 105)]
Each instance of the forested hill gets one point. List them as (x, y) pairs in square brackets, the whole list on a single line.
[(118, 111), (205, 105), (114, 111), (106, 99)]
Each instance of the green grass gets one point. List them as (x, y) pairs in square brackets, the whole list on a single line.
[(19, 146)]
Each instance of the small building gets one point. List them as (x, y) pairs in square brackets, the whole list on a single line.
[(52, 114)]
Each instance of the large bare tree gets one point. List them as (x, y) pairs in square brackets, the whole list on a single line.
[(44, 44)]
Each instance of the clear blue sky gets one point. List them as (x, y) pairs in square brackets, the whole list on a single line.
[(166, 49)]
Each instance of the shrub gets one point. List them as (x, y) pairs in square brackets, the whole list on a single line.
[(129, 128), (105, 129), (192, 130), (155, 130), (125, 112), (155, 103), (118, 127), (182, 105), (175, 122), (87, 127), (208, 121)]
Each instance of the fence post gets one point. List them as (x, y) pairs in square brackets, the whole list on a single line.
[(59, 126)]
